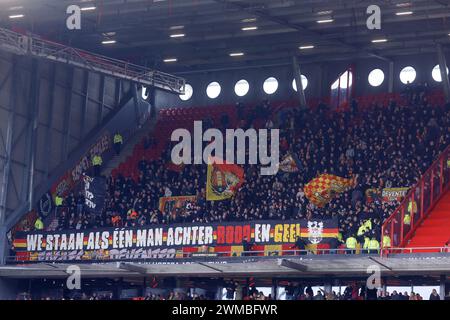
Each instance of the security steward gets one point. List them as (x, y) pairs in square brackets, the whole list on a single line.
[(118, 141), (97, 162), (38, 224), (374, 246), (351, 243)]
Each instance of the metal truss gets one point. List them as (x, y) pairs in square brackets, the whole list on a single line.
[(31, 45)]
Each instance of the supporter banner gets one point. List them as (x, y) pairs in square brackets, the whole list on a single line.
[(223, 180), (290, 164), (394, 194), (386, 194), (175, 241), (45, 205), (94, 193), (169, 204), (322, 189)]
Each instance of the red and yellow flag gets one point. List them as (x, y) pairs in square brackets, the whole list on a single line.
[(223, 180), (322, 189)]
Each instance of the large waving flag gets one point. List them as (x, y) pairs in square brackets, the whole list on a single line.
[(223, 180), (322, 189), (290, 164)]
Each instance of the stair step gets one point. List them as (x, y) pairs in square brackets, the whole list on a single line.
[(436, 223), (435, 229)]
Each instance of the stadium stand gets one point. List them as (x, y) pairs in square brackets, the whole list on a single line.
[(389, 145), (352, 102)]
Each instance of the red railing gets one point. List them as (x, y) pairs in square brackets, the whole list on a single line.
[(419, 201)]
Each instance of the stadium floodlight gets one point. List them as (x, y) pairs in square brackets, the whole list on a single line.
[(236, 54), (249, 28), (16, 16), (169, 60), (404, 13), (88, 8), (109, 41), (176, 27), (379, 40), (177, 35), (306, 47), (325, 12), (325, 21), (403, 4)]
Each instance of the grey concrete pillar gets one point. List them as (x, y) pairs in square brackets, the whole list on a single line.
[(391, 77), (443, 68), (298, 80), (442, 280)]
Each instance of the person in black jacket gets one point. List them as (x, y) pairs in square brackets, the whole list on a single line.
[(434, 295), (231, 289), (247, 247), (300, 245), (334, 244)]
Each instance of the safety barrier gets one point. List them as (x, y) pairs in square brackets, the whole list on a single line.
[(418, 202)]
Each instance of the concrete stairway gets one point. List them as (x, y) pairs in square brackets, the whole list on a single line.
[(128, 147)]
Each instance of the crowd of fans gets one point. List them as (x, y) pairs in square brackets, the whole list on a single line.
[(292, 292), (381, 146)]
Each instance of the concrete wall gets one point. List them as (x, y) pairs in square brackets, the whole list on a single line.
[(320, 77), (46, 109), (8, 289)]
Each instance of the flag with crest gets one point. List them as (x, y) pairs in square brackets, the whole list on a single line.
[(223, 180)]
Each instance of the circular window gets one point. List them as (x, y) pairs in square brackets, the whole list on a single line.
[(408, 75), (304, 83), (376, 77), (213, 90), (188, 91), (270, 85), (145, 93), (436, 73), (241, 88)]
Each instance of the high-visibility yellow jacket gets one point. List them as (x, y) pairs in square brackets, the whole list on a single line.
[(39, 225), (97, 161), (368, 224), (118, 138), (361, 230), (351, 243), (386, 241), (374, 244), (58, 201), (366, 243), (412, 207), (407, 219)]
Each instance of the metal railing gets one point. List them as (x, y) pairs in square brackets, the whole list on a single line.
[(418, 202), (413, 250), (23, 44)]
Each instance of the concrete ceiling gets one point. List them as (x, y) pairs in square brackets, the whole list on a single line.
[(213, 29), (309, 266)]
